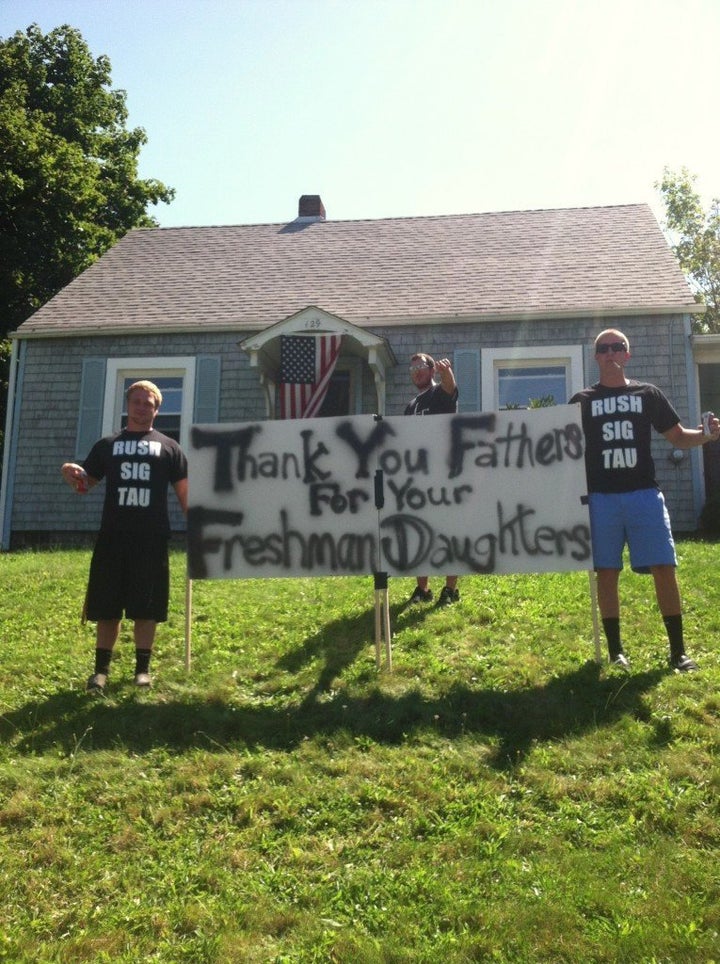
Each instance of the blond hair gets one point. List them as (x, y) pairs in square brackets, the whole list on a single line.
[(146, 386)]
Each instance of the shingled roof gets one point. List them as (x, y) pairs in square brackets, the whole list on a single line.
[(575, 261)]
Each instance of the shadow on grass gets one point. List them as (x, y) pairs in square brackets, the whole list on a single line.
[(339, 643), (513, 721)]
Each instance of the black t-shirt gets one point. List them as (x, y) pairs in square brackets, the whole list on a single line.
[(617, 423), (433, 401), (137, 467)]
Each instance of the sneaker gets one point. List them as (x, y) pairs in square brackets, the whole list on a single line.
[(143, 679), (96, 683), (683, 663), (420, 596), (619, 662), (448, 596)]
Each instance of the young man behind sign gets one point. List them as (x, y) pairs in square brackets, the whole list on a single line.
[(433, 398)]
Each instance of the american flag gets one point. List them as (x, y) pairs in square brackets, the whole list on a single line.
[(306, 364)]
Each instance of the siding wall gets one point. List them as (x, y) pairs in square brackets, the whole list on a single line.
[(51, 385)]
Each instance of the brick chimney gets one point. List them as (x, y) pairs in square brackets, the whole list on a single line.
[(311, 206)]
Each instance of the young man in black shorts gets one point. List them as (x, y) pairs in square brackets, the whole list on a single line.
[(129, 570), (433, 398)]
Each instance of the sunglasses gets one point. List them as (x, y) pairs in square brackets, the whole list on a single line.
[(610, 346), (418, 368)]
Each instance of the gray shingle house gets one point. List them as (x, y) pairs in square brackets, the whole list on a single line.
[(513, 298)]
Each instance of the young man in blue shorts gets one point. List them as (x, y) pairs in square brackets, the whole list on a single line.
[(626, 505), (129, 571)]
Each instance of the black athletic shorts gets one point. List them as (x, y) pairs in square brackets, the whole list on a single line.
[(129, 575)]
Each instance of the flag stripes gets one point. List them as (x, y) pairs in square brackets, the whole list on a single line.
[(306, 366)]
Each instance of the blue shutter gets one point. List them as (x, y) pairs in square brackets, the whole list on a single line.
[(92, 399), (207, 390), (466, 365)]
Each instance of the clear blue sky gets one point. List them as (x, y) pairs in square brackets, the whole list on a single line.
[(392, 108)]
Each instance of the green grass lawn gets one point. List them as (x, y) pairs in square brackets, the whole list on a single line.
[(497, 797)]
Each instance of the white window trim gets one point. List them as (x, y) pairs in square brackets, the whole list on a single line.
[(120, 368), (570, 356)]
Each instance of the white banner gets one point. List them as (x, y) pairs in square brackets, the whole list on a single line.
[(494, 492)]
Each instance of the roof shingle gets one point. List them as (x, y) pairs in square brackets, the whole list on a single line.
[(504, 264)]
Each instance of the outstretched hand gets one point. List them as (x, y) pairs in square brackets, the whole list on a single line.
[(75, 476), (447, 379)]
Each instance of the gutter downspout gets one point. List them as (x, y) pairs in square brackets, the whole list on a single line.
[(12, 418)]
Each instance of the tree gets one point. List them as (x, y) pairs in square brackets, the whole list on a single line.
[(68, 167), (695, 239)]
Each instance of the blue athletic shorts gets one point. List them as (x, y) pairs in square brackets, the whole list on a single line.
[(639, 519)]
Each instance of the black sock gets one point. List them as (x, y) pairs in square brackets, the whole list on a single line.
[(142, 660), (102, 661), (611, 625), (674, 627)]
